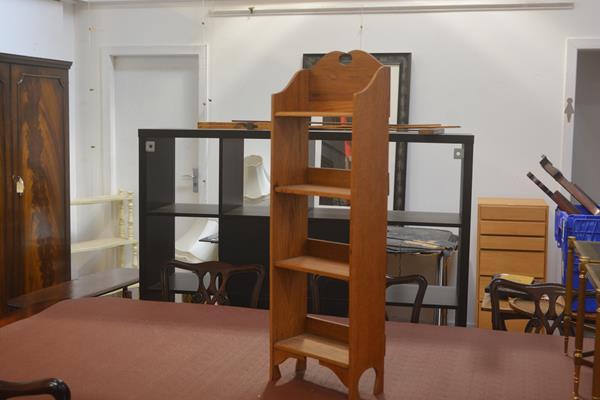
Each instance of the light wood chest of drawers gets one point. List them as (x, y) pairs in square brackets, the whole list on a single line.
[(511, 238)]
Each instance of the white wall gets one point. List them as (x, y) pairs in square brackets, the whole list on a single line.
[(37, 28), (586, 130), (45, 28), (498, 74), (42, 28)]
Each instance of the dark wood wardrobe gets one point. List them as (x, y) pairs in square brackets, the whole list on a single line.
[(34, 179)]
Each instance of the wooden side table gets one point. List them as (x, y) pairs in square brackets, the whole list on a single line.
[(97, 284), (589, 269)]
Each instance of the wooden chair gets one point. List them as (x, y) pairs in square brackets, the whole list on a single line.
[(419, 280), (421, 283), (53, 387), (219, 274), (542, 307)]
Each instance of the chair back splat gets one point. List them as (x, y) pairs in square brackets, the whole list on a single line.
[(212, 290), (542, 304)]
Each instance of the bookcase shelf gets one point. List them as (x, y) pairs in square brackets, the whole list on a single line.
[(303, 114), (317, 266), (321, 348), (315, 190), (186, 210)]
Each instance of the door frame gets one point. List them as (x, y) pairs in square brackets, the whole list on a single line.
[(574, 45), (108, 106)]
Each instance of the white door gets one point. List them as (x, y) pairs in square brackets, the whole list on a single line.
[(158, 92), (575, 48), (586, 123)]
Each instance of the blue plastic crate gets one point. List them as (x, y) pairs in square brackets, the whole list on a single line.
[(582, 226)]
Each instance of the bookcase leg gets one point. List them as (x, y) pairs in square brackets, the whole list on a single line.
[(275, 373), (353, 393), (378, 388), (301, 365)]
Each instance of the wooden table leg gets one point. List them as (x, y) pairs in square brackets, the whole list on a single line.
[(569, 294), (596, 376), (579, 326)]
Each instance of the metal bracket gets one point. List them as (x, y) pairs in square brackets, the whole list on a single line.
[(459, 154)]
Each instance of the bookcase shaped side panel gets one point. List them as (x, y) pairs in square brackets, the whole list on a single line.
[(368, 223), (289, 213), (293, 97)]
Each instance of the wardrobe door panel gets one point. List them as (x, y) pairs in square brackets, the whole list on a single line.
[(40, 156), (4, 181)]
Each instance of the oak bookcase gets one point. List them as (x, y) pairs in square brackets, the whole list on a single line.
[(353, 85)]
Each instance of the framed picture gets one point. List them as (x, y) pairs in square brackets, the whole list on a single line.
[(338, 154)]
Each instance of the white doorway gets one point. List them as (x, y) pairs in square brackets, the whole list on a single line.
[(158, 92), (575, 85), (586, 123)]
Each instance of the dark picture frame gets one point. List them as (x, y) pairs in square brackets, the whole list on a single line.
[(403, 61)]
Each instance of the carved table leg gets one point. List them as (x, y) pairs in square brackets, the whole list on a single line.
[(569, 294), (579, 326)]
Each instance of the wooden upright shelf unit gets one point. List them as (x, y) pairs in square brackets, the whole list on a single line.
[(358, 89)]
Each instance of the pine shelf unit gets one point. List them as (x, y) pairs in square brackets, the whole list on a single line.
[(358, 89)]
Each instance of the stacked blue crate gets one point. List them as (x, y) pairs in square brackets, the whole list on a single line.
[(582, 226)]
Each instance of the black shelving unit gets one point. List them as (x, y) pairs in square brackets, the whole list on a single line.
[(244, 230)]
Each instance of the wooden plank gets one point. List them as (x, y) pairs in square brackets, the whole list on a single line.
[(512, 228), (99, 199), (100, 244), (327, 329), (529, 263), (315, 190), (323, 349), (317, 266), (87, 286), (329, 177), (288, 222), (368, 228), (516, 213), (511, 202), (313, 114), (512, 243), (329, 250), (242, 125), (320, 125)]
